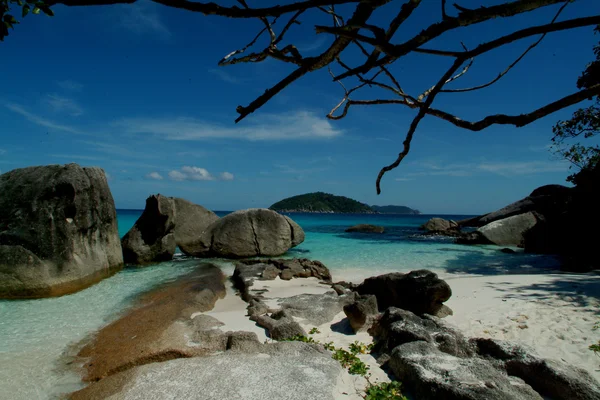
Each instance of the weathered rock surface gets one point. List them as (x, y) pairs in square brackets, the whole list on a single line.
[(545, 200), (421, 291), (58, 231), (246, 271), (439, 225), (432, 374), (397, 327), (161, 327), (167, 222), (556, 380), (362, 312), (509, 231), (152, 238), (191, 221), (435, 361), (366, 228), (279, 371), (316, 309), (281, 325), (249, 233)]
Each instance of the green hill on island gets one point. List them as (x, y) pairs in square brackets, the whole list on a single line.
[(321, 202), (395, 210), (329, 203)]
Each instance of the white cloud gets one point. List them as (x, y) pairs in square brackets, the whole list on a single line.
[(39, 120), (177, 176), (286, 126), (143, 17), (504, 168), (155, 175), (524, 168), (70, 85), (226, 176), (190, 173), (62, 104), (2, 151), (108, 176)]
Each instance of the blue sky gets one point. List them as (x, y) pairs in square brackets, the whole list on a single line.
[(136, 90)]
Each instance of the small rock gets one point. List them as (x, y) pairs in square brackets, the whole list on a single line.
[(366, 228), (271, 272), (361, 312), (287, 274)]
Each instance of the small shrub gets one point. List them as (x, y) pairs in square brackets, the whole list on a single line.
[(300, 338), (360, 348), (313, 331), (384, 391)]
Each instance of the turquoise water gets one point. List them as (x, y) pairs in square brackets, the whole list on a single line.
[(35, 335)]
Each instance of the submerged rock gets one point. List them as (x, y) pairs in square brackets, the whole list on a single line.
[(167, 222), (366, 228), (58, 231), (421, 291), (249, 233)]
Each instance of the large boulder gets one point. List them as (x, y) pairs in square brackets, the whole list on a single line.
[(151, 238), (249, 233), (549, 200), (58, 231), (421, 291), (432, 374), (509, 231), (167, 222), (191, 220)]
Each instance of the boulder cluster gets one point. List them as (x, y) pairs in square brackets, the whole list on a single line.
[(58, 231)]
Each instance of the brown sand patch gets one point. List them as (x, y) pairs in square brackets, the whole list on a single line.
[(139, 337)]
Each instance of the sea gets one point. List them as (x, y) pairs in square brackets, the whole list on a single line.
[(38, 338)]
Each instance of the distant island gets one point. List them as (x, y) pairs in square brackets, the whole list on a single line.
[(320, 202), (395, 210)]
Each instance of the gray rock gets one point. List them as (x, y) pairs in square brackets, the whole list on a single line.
[(271, 272), (245, 342), (281, 325), (297, 231), (361, 312), (554, 379), (439, 225), (151, 238), (282, 371), (287, 274), (444, 312), (397, 327), (366, 228), (191, 222), (250, 233), (421, 291), (167, 222), (58, 231), (509, 231), (316, 309), (431, 374)]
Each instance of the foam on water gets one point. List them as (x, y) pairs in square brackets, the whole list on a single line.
[(35, 334)]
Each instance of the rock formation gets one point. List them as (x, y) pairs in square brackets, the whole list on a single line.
[(421, 291), (58, 231), (248, 233), (167, 222)]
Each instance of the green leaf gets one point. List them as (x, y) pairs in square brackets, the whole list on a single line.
[(46, 10), (36, 10), (26, 9)]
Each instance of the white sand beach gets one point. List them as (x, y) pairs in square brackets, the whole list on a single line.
[(552, 313)]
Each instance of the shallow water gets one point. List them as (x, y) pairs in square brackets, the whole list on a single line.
[(34, 334)]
